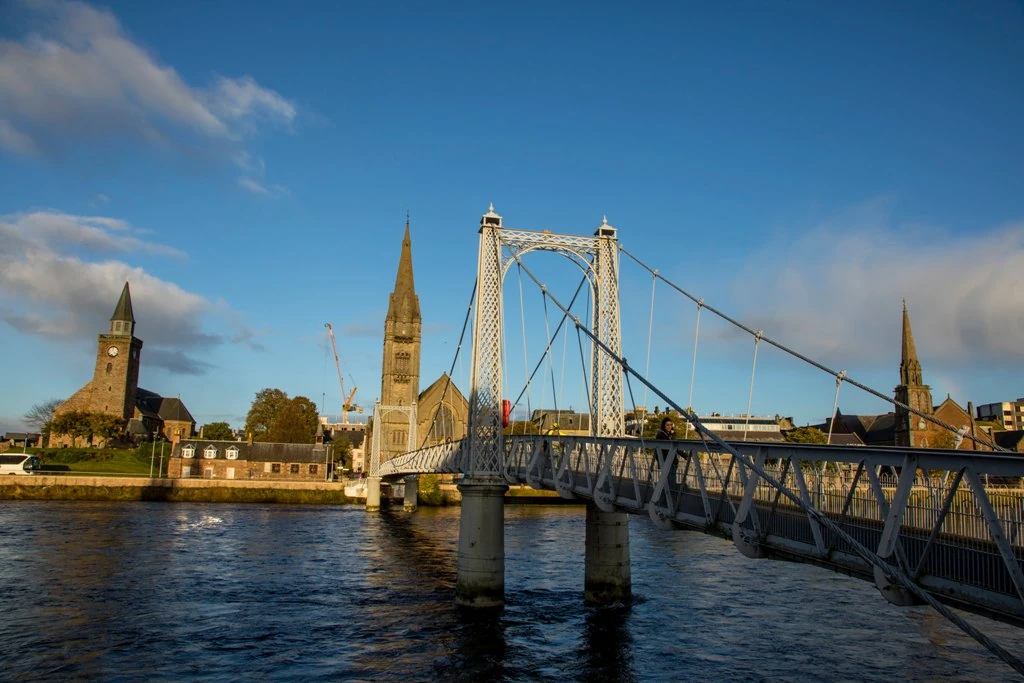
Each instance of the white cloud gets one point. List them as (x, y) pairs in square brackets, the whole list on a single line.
[(48, 287), (259, 188), (15, 141), (59, 232), (79, 78), (837, 290)]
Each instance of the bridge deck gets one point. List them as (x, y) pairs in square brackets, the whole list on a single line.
[(923, 512)]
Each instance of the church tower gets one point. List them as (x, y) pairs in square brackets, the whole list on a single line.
[(400, 383), (912, 391), (115, 379)]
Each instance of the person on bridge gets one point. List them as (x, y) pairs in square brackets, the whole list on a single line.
[(556, 447), (667, 432)]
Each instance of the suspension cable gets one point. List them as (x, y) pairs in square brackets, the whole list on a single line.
[(522, 322), (693, 367), (750, 396), (894, 573), (458, 350), (650, 333), (547, 349), (796, 354), (835, 405), (551, 363)]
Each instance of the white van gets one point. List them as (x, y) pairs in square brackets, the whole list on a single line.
[(18, 463)]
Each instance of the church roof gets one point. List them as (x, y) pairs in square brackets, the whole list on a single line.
[(439, 386), (153, 405), (869, 429), (404, 304), (123, 311)]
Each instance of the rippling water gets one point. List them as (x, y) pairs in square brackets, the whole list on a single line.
[(157, 591)]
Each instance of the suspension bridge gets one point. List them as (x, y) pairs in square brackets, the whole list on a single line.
[(927, 526)]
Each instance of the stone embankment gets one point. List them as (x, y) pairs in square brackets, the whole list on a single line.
[(81, 487), (71, 487)]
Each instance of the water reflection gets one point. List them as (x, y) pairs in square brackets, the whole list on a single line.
[(607, 652), (171, 592)]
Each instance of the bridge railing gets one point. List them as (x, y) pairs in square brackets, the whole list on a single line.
[(882, 512), (440, 458)]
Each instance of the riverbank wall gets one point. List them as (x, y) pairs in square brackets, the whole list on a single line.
[(102, 488)]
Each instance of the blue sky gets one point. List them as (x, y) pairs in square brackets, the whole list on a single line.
[(248, 167)]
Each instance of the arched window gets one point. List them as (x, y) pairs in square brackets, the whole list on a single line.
[(232, 452), (402, 362), (210, 452), (189, 451), (399, 437), (443, 426)]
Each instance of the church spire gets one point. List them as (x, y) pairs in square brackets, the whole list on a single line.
[(404, 304), (122, 322), (910, 367)]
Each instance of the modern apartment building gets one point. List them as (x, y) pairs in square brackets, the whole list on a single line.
[(1010, 414)]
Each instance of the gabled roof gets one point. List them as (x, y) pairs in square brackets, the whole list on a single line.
[(442, 385), (869, 429), (155, 406), (846, 440), (257, 452)]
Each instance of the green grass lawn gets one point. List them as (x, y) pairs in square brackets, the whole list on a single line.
[(101, 461)]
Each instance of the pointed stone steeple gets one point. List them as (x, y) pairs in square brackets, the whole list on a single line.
[(910, 367), (404, 305), (400, 369), (122, 322), (912, 391)]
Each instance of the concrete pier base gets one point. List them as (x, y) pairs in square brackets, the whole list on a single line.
[(480, 579), (412, 489), (372, 494), (607, 576)]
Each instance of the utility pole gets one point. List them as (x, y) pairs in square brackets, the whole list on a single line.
[(152, 455), (161, 472)]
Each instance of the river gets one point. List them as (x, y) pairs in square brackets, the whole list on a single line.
[(172, 592)]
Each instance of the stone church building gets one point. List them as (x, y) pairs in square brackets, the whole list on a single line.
[(114, 388), (441, 411), (902, 427)]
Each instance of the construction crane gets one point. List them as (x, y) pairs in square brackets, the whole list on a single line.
[(346, 402)]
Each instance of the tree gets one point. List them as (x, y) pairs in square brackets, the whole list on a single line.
[(806, 435), (342, 453), (218, 431), (82, 426), (295, 422), (521, 427), (39, 416), (265, 407), (106, 426)]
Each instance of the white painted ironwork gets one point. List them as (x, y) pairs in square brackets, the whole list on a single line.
[(379, 411), (962, 542), (598, 258)]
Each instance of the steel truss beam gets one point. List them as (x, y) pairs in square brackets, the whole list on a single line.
[(927, 516)]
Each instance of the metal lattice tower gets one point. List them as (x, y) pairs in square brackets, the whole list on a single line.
[(378, 428), (597, 257)]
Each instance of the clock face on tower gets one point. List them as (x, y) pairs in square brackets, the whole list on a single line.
[(112, 351)]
